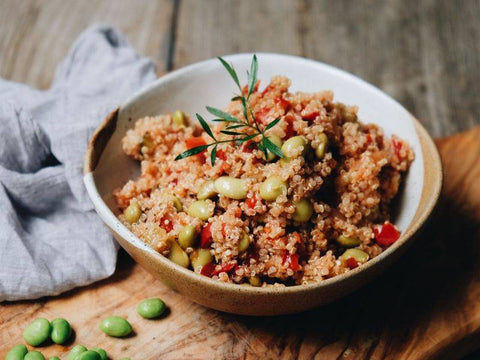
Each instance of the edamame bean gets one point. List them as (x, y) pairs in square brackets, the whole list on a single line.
[(277, 141), (231, 187), (17, 352), (177, 255), (101, 352), (201, 209), (53, 358), (255, 281), (151, 308), (200, 257), (186, 236), (272, 188), (116, 326), (176, 202), (34, 355), (132, 212), (207, 190), (88, 355), (147, 141), (322, 147), (61, 331), (244, 243), (178, 117), (359, 255), (294, 147), (76, 350), (303, 211), (37, 332), (348, 241)]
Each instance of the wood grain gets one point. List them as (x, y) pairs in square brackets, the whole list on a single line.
[(424, 307), (425, 53)]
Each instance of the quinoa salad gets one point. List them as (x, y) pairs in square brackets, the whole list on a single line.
[(235, 208)]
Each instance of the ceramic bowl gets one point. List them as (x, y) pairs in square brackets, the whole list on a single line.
[(207, 83)]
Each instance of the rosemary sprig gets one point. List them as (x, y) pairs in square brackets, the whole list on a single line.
[(234, 124)]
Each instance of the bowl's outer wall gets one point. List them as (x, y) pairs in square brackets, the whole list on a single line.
[(106, 171)]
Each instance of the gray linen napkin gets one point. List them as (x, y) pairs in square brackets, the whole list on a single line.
[(51, 240)]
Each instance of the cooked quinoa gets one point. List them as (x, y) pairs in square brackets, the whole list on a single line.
[(344, 175)]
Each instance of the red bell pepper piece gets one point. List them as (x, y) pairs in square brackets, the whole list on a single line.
[(206, 238), (386, 234)]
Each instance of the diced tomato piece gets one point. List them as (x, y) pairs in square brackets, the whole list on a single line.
[(249, 146), (166, 224), (386, 234), (251, 202), (208, 269), (291, 260), (261, 115), (194, 142), (351, 263), (397, 145), (221, 154), (289, 131), (267, 89), (224, 268), (283, 103), (369, 139), (311, 116), (206, 238)]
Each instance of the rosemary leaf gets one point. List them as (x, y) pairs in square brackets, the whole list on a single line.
[(272, 124), (222, 114), (272, 147), (192, 151), (231, 71), (234, 133), (213, 155), (205, 126), (231, 127), (252, 76)]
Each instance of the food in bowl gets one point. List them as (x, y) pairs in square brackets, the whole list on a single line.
[(286, 189)]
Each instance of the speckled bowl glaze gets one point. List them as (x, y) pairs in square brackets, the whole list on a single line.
[(193, 87)]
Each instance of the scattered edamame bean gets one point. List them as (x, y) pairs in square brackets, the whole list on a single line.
[(294, 147), (88, 355), (186, 236), (115, 326), (17, 352), (75, 351), (37, 332), (231, 187), (303, 211), (151, 308), (201, 209), (272, 188), (277, 141), (132, 212), (255, 281), (34, 355), (101, 352), (207, 190), (321, 148), (348, 241), (201, 257), (61, 331), (359, 255), (178, 117), (176, 202), (244, 243), (177, 255)]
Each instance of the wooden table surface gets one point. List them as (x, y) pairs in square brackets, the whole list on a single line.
[(425, 53)]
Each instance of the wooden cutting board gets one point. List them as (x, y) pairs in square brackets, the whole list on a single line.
[(425, 307)]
